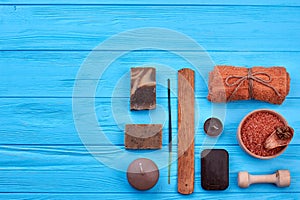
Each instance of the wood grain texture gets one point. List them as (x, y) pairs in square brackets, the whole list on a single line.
[(214, 27), (135, 196), (50, 120), (186, 131), (71, 169), (156, 2), (42, 46), (34, 74)]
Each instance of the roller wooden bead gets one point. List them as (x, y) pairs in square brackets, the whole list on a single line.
[(281, 178)]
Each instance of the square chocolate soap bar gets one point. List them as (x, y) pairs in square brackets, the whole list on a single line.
[(143, 136), (143, 88)]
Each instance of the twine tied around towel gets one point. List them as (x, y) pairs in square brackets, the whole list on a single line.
[(251, 77)]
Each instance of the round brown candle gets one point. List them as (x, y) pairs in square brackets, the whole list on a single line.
[(142, 174), (213, 127)]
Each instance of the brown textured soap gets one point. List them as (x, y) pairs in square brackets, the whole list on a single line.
[(143, 136), (143, 88)]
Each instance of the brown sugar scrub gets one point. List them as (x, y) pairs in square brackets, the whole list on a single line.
[(256, 128)]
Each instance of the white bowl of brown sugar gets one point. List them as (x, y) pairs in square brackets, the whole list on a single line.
[(256, 128)]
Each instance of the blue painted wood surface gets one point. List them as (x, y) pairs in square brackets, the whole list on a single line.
[(42, 46)]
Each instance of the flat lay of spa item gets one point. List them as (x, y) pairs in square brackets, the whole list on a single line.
[(229, 83), (142, 174), (281, 178), (214, 169), (264, 134), (150, 99)]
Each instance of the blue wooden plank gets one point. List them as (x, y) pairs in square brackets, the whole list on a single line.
[(63, 169), (157, 2), (50, 120), (135, 196), (214, 27), (52, 74)]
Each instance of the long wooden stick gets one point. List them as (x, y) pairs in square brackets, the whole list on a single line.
[(170, 132), (186, 131)]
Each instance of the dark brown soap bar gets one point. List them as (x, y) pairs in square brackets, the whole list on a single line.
[(143, 136), (143, 88), (214, 169)]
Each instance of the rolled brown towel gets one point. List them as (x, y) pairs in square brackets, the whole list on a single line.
[(229, 83)]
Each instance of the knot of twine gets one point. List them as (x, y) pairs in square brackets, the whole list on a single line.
[(251, 77)]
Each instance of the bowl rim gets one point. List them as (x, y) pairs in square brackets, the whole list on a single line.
[(240, 141)]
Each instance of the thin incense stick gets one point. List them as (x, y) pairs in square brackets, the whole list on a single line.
[(170, 132)]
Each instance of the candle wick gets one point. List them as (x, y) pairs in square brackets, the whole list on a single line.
[(141, 168), (215, 127)]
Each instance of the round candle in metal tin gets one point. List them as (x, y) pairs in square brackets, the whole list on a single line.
[(213, 127)]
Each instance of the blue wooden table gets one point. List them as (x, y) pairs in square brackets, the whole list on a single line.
[(43, 44)]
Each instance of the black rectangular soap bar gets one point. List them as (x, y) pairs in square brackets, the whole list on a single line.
[(214, 169), (143, 88)]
